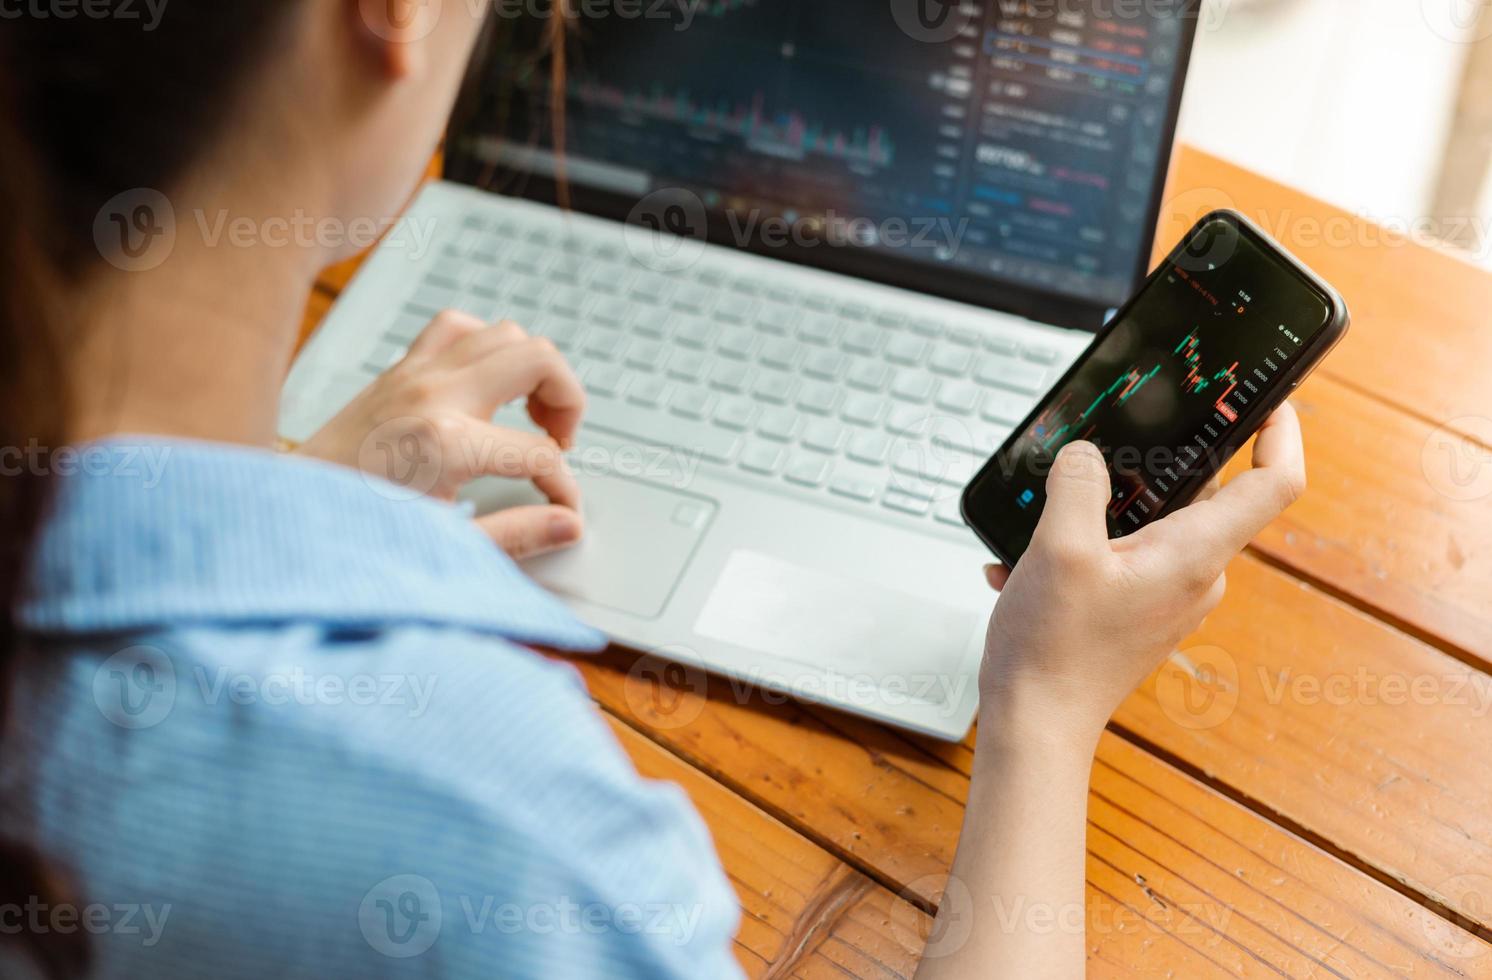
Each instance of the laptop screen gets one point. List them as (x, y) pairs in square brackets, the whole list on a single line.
[(1015, 145)]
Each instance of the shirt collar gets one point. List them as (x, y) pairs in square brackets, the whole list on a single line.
[(151, 532)]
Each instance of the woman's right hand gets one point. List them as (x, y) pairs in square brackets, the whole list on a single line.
[(1082, 620)]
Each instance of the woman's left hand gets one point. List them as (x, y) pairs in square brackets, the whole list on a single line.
[(425, 426)]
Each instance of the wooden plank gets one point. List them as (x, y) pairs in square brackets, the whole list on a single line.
[(1348, 729), (1230, 886), (1398, 515), (1419, 337), (807, 914)]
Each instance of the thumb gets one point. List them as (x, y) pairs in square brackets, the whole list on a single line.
[(527, 531), (1077, 498)]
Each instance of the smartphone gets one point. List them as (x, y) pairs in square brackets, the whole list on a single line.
[(1175, 383)]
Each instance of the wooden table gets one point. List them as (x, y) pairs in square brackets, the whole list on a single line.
[(1306, 792)]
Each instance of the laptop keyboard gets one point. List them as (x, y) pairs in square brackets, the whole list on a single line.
[(867, 404)]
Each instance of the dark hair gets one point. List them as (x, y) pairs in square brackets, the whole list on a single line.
[(90, 107)]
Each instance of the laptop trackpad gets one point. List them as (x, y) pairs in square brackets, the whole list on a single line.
[(854, 628), (638, 539)]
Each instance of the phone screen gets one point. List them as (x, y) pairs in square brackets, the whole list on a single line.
[(1166, 388)]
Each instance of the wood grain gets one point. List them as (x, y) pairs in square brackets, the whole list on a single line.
[(1168, 858)]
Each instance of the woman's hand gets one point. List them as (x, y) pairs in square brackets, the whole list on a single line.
[(425, 425), (1082, 620)]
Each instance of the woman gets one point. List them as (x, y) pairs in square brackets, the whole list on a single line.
[(263, 720)]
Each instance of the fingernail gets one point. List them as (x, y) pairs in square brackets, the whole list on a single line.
[(564, 528)]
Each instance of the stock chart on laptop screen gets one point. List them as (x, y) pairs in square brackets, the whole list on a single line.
[(1017, 140)]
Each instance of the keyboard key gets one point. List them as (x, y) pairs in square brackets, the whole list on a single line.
[(730, 376), (695, 299), (385, 354), (906, 349), (868, 447), (1001, 344), (947, 513), (781, 424), (819, 301), (737, 343), (605, 345), (650, 289), (566, 333), (433, 299), (967, 336), (891, 318), (911, 486), (735, 413), (774, 386), (609, 278), (530, 292), (818, 397), (1040, 353), (533, 261), (699, 334), (646, 355), (691, 403), (604, 379), (928, 327), (1012, 374), (687, 365), (937, 464), (810, 471), (854, 487), (818, 329), (905, 503), (612, 312), (648, 322), (779, 353), (861, 339), (854, 310), (763, 458), (913, 386), (868, 375), (952, 361), (958, 398), (823, 435), (908, 420), (647, 391), (826, 364), (407, 326), (775, 318), (862, 409), (734, 309), (647, 425), (1002, 407)]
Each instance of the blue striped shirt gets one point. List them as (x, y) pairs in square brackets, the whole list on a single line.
[(277, 722)]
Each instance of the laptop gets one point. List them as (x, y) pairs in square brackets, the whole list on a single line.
[(812, 262)]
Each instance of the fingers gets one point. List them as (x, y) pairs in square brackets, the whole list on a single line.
[(495, 451), (996, 575), (501, 365), (1214, 530), (1077, 501), (449, 327), (527, 531)]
